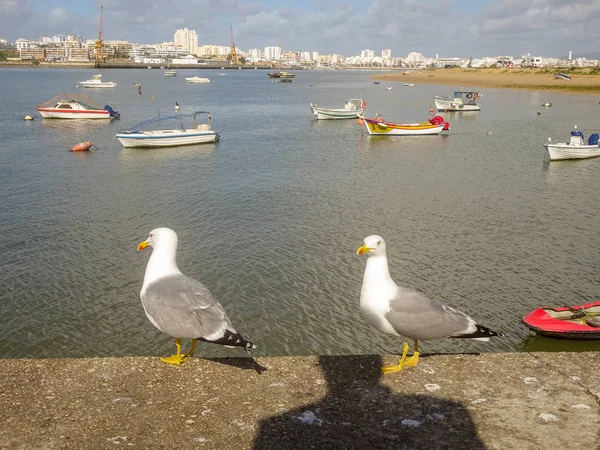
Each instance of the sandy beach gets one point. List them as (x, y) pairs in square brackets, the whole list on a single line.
[(584, 81)]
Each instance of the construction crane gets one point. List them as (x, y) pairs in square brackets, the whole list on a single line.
[(99, 42), (235, 56)]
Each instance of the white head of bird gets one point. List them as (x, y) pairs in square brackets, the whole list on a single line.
[(374, 245), (163, 261)]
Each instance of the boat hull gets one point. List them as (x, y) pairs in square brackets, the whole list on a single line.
[(377, 128), (98, 85), (563, 322), (166, 138), (197, 80), (52, 113), (562, 151), (336, 114), (449, 105)]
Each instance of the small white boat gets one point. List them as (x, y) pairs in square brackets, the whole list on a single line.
[(380, 127), (75, 106), (96, 82), (355, 107), (141, 136), (461, 101), (389, 88), (576, 148), (562, 76), (409, 84), (197, 80), (170, 73)]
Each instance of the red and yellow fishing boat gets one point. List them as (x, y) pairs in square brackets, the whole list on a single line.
[(380, 127)]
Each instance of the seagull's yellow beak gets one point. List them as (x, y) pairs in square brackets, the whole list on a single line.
[(142, 245), (363, 249)]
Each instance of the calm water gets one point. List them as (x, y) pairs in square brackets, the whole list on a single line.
[(270, 217)]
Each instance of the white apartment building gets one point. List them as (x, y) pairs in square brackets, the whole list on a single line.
[(531, 61), (314, 56), (367, 55), (386, 53), (304, 56), (255, 55), (187, 39), (272, 53)]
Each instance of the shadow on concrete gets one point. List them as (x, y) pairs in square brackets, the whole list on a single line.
[(358, 412), (240, 363)]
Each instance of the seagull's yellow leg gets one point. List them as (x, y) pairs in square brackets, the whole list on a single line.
[(178, 358), (414, 359), (191, 352), (397, 368)]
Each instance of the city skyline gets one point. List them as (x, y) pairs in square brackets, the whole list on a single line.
[(446, 27)]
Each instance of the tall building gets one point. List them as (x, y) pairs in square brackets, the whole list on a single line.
[(386, 53), (272, 53), (188, 39), (367, 55)]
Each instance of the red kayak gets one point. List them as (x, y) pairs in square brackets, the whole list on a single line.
[(567, 322)]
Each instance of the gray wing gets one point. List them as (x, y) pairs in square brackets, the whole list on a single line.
[(415, 316), (184, 308)]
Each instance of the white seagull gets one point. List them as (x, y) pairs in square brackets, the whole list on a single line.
[(405, 312), (179, 305)]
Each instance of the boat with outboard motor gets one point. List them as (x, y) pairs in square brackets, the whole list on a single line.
[(576, 148), (170, 132), (353, 108), (460, 101), (380, 127), (68, 105), (566, 322)]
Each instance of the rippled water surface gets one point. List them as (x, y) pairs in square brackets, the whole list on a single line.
[(270, 217)]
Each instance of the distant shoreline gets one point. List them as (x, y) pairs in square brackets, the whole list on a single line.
[(583, 81)]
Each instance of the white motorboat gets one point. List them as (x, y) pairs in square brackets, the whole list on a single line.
[(75, 106), (576, 148), (461, 101), (96, 82), (141, 135), (197, 80), (353, 108), (170, 73)]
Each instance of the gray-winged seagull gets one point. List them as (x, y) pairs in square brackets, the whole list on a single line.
[(405, 312), (179, 305)]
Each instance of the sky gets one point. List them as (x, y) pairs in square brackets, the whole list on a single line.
[(463, 28)]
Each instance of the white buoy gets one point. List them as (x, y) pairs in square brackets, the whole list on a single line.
[(489, 133), (549, 139), (176, 106), (28, 117), (575, 126)]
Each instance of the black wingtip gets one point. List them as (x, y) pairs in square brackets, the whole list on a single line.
[(480, 332)]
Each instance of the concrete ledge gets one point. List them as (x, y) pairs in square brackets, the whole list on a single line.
[(492, 401)]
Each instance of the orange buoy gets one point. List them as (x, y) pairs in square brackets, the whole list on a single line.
[(360, 121), (431, 110), (82, 146)]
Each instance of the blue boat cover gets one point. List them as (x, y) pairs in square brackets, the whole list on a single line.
[(578, 133), (593, 140), (111, 111)]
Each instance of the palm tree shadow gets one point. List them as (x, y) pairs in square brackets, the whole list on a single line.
[(358, 412)]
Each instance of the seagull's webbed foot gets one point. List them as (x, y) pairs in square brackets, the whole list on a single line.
[(179, 358), (403, 362)]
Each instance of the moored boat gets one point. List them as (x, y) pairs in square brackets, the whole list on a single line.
[(380, 127), (96, 82), (566, 322), (281, 74), (562, 76), (460, 101), (197, 80), (75, 106), (353, 108), (576, 148), (142, 134)]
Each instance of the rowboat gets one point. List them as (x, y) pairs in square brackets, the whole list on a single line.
[(353, 108), (566, 322), (380, 127), (562, 76), (141, 135), (576, 148)]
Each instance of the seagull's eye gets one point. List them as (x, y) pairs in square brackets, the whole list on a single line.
[(379, 243), (151, 234)]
